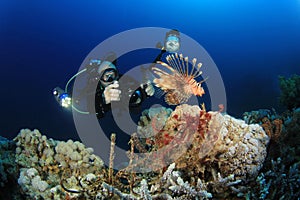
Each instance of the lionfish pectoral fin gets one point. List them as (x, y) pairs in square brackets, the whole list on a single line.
[(174, 97), (159, 72), (158, 93), (166, 65), (165, 82), (171, 99)]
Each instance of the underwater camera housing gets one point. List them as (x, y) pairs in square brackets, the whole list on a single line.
[(62, 97), (131, 92)]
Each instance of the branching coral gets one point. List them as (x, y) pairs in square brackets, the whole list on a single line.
[(279, 182)]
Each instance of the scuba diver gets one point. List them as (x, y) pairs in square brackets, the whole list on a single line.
[(112, 89), (171, 44), (109, 89)]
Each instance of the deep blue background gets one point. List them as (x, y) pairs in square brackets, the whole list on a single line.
[(43, 43)]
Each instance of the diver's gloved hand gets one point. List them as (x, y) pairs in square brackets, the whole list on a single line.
[(111, 93), (148, 87)]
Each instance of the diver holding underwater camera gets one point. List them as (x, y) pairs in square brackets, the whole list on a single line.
[(112, 89), (105, 75), (109, 89)]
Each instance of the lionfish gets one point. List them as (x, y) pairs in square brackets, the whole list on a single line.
[(180, 84)]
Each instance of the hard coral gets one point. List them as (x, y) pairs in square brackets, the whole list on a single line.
[(188, 154), (279, 182), (203, 144), (47, 164), (273, 129), (271, 122)]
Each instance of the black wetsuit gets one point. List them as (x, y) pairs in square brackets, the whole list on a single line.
[(135, 98)]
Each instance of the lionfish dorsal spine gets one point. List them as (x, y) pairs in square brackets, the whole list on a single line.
[(198, 70), (195, 72), (194, 61), (181, 65), (186, 59), (174, 60), (175, 63)]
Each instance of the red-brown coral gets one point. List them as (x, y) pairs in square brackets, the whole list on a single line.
[(267, 125), (273, 129), (188, 131)]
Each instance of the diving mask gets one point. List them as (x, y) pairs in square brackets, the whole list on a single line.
[(109, 75), (172, 43)]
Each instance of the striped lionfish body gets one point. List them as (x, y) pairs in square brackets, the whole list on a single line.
[(180, 84)]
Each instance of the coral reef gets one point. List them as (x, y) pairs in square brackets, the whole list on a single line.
[(189, 153), (290, 91), (282, 183), (50, 168), (290, 137), (279, 182), (282, 129), (8, 170), (210, 146), (256, 116), (159, 116), (280, 177), (269, 120)]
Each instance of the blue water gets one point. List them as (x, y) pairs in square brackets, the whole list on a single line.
[(43, 43)]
